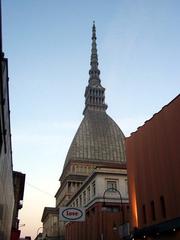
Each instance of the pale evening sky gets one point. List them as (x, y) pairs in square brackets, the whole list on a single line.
[(47, 43)]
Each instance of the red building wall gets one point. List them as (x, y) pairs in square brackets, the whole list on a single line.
[(98, 222), (153, 162)]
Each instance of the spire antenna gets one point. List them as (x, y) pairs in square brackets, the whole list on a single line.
[(94, 93), (94, 71)]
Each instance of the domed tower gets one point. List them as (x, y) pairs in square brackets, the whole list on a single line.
[(98, 141)]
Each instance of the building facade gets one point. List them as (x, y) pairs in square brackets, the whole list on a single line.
[(104, 195), (6, 168), (50, 221), (153, 160), (19, 182), (11, 184)]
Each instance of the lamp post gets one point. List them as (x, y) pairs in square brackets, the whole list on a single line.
[(121, 209)]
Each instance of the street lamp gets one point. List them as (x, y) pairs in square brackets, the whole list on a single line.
[(121, 209)]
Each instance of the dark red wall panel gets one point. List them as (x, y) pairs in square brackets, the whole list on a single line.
[(153, 162)]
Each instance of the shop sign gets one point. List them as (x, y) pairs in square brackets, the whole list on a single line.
[(72, 214)]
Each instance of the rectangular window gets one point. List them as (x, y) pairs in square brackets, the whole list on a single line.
[(84, 197), (88, 193), (94, 188), (69, 186), (77, 202), (153, 214), (144, 214), (93, 210), (111, 185), (80, 200), (163, 207)]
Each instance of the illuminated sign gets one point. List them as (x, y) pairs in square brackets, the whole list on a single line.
[(72, 214)]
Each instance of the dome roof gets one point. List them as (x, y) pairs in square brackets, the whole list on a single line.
[(98, 139)]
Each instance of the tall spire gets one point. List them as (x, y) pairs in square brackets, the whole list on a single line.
[(94, 93), (94, 71)]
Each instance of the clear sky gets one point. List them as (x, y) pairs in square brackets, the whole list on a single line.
[(48, 45)]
